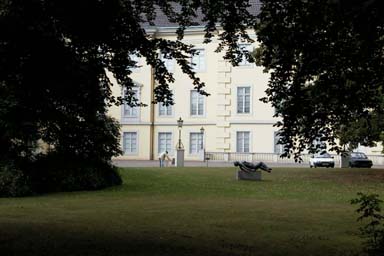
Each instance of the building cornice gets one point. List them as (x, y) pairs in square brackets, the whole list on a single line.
[(235, 122), (170, 31), (246, 122)]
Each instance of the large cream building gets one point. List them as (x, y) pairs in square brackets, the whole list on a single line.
[(233, 118)]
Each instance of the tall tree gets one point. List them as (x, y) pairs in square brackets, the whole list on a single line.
[(326, 61), (54, 56)]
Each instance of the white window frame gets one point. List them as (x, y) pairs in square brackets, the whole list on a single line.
[(199, 143), (169, 63), (279, 104), (126, 117), (170, 149), (198, 100), (244, 62), (277, 148), (242, 110), (242, 148), (135, 57), (199, 60), (322, 144), (125, 146), (166, 110)]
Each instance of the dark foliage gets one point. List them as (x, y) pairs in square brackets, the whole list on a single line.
[(13, 182), (54, 173), (54, 88), (79, 159), (370, 211), (325, 58), (59, 172)]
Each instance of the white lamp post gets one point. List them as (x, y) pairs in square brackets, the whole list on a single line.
[(180, 125), (202, 149), (179, 146)]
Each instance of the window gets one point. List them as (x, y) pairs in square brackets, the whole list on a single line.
[(318, 143), (244, 61), (278, 148), (165, 110), (278, 107), (169, 63), (198, 60), (242, 142), (195, 142), (165, 142), (131, 112), (197, 104), (129, 143), (243, 100), (135, 58)]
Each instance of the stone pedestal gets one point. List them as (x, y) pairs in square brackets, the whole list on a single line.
[(344, 161), (180, 158), (202, 155), (242, 175)]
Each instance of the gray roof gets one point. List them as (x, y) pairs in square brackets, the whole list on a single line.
[(162, 20)]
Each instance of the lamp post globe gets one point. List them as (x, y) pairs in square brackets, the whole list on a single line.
[(180, 123)]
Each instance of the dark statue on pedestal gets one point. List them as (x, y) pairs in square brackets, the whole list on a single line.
[(250, 167)]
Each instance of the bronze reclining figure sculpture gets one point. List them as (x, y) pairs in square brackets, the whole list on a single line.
[(250, 167)]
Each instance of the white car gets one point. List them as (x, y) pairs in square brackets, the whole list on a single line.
[(322, 160)]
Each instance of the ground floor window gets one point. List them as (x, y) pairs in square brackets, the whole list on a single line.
[(278, 148), (130, 143), (243, 142), (165, 142), (195, 142)]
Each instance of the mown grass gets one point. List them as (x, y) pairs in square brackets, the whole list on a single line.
[(195, 211)]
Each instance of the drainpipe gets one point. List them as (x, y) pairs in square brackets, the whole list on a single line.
[(152, 110), (152, 119)]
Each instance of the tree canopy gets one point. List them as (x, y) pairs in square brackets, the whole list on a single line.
[(325, 58), (54, 58)]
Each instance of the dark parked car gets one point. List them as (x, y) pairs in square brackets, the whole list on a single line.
[(358, 159)]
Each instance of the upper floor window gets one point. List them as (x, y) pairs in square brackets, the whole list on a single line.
[(165, 110), (130, 143), (244, 61), (319, 144), (278, 107), (135, 58), (243, 142), (244, 100), (169, 63), (198, 60), (195, 142), (128, 111), (197, 104), (165, 142)]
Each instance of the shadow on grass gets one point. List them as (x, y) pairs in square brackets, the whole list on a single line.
[(33, 239)]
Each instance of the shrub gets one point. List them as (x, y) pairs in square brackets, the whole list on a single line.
[(373, 231), (53, 173), (13, 182)]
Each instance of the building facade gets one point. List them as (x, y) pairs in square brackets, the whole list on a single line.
[(232, 117)]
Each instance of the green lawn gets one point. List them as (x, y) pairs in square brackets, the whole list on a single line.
[(195, 211)]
